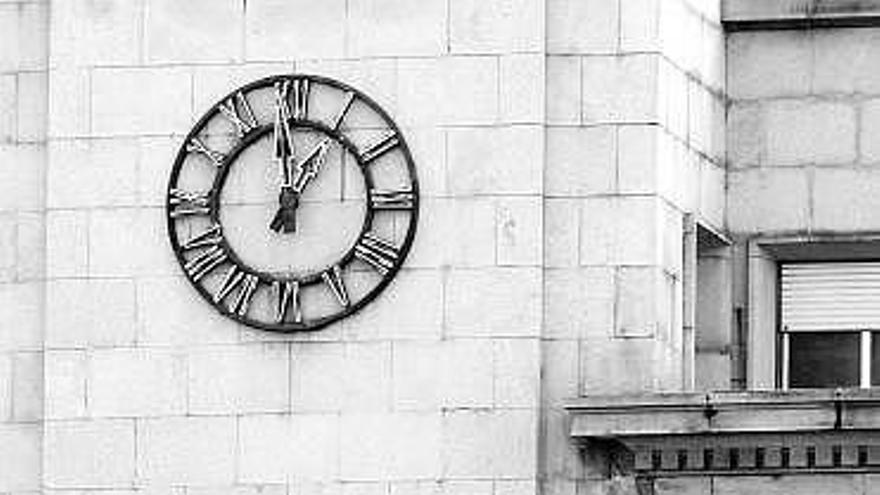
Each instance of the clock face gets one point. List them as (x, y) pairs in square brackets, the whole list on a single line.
[(292, 203)]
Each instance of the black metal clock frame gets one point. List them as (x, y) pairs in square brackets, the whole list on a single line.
[(226, 160)]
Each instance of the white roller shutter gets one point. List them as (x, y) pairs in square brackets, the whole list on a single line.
[(830, 296)]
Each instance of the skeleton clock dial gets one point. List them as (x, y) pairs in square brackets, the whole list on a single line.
[(292, 203)]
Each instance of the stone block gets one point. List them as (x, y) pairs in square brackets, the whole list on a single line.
[(832, 73), (367, 372), (92, 173), (713, 192), (639, 25), (20, 457), (518, 232), (560, 379), (768, 200), (468, 487), (23, 176), (275, 32), (6, 380), (745, 137), (643, 298), (68, 95), (563, 90), (168, 310), (10, 38), (799, 132), (467, 86), (620, 88), (415, 378), (136, 382), (224, 379), (590, 26), (90, 312), (673, 99), (683, 486), (188, 450), (126, 242), (842, 484), (466, 373), (264, 448), (27, 386), (65, 384), (32, 106), (479, 444), (517, 372), (141, 101), (197, 32), (505, 160), (495, 26), (579, 302), (89, 454), (409, 308), (396, 28), (87, 33), (620, 230), (8, 246), (581, 161), (869, 129), (499, 302), (31, 245), (317, 383), (66, 243), (397, 446), (561, 224), (522, 88), (8, 107), (629, 365), (844, 199), (638, 165), (21, 311), (764, 64), (33, 49)]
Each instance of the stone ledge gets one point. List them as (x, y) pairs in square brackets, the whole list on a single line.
[(735, 432), (740, 15), (725, 412)]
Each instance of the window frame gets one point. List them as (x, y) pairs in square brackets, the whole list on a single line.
[(764, 260)]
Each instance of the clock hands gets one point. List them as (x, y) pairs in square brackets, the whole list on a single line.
[(310, 166)]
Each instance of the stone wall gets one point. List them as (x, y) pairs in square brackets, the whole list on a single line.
[(431, 389), (23, 95), (635, 114), (803, 136)]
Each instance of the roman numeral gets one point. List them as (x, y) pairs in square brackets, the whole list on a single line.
[(186, 203), (376, 252), (233, 277), (349, 99), (196, 145), (383, 199), (333, 279), (245, 295), (239, 112), (202, 264), (287, 298), (300, 99), (282, 134), (380, 147), (210, 237)]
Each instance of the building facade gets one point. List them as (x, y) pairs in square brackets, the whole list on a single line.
[(644, 262)]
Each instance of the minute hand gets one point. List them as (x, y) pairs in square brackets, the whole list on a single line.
[(310, 166)]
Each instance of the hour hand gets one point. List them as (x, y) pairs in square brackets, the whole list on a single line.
[(310, 166), (284, 221)]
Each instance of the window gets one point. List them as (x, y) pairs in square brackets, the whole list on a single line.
[(830, 324)]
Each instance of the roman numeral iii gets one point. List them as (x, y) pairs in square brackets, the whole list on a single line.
[(384, 199), (186, 203)]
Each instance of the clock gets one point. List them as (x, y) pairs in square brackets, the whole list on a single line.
[(292, 203)]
